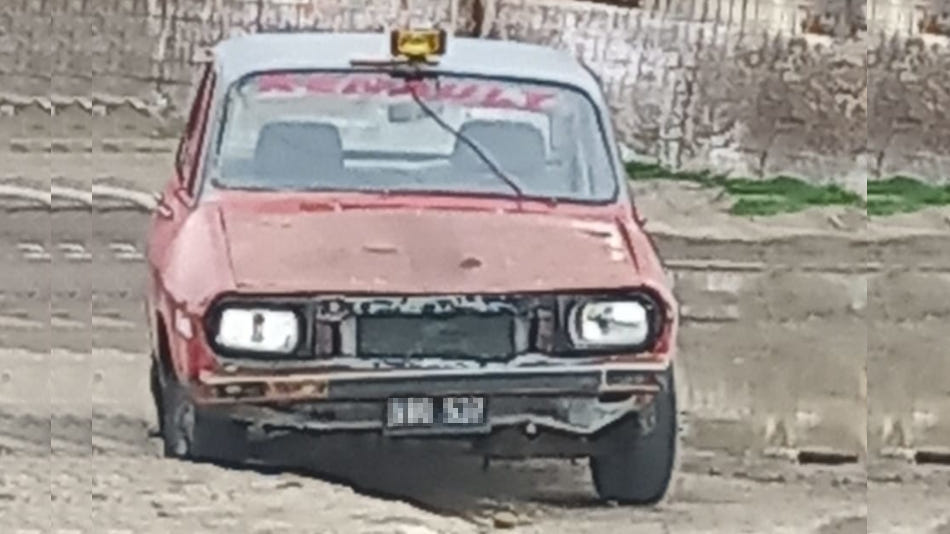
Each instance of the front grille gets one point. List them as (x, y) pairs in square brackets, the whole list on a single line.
[(462, 335), (450, 326)]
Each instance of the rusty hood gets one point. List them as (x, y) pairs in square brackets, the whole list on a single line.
[(420, 251)]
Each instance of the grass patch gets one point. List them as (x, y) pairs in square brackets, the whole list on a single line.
[(782, 194), (904, 195)]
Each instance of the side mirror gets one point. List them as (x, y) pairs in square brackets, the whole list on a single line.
[(179, 167), (161, 206), (181, 193)]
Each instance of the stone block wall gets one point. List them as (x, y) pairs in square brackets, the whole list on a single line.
[(756, 87), (909, 105), (710, 84), (753, 87)]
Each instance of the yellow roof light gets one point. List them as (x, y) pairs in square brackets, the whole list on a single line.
[(417, 45)]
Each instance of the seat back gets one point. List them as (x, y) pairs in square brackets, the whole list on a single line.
[(517, 148), (298, 153)]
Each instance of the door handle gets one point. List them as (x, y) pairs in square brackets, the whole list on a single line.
[(161, 207)]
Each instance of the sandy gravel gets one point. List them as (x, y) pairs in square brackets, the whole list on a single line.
[(101, 471)]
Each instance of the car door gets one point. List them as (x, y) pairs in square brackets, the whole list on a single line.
[(175, 202)]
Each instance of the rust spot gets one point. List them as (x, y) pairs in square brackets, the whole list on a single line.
[(292, 390), (313, 388), (240, 391), (316, 207), (600, 234), (471, 263), (380, 249)]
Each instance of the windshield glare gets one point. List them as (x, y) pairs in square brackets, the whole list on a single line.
[(366, 132)]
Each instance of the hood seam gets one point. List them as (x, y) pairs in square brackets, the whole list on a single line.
[(628, 240), (227, 247)]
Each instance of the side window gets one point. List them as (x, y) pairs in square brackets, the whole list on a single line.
[(189, 149)]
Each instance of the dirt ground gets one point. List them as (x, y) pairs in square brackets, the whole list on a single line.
[(99, 467), (76, 451)]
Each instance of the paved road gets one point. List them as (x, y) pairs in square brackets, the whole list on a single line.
[(85, 365)]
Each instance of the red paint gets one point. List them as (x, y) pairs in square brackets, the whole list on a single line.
[(457, 91), (306, 242), (276, 82), (473, 93), (428, 248), (536, 100), (496, 99), (320, 84)]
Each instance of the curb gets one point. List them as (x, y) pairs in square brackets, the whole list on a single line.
[(141, 200), (26, 193)]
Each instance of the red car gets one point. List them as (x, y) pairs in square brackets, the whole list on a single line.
[(403, 238)]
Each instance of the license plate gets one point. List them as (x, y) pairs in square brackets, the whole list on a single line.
[(413, 411), (428, 411), (463, 410)]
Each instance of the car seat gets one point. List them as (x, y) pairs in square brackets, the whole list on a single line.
[(517, 148), (298, 154)]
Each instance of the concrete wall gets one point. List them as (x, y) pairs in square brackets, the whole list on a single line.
[(773, 341), (836, 341), (908, 367)]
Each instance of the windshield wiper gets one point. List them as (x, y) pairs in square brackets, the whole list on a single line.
[(464, 138)]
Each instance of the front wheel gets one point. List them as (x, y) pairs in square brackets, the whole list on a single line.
[(175, 412), (185, 430), (177, 420), (639, 471)]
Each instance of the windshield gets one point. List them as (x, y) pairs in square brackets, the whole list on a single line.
[(369, 132)]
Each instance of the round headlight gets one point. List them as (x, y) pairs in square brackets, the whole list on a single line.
[(258, 330), (610, 323)]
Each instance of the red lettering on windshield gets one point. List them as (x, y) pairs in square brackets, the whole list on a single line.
[(534, 101), (495, 99), (472, 93), (423, 91), (401, 89), (456, 92), (364, 86), (322, 84), (276, 82)]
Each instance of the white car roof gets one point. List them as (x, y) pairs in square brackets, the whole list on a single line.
[(237, 57)]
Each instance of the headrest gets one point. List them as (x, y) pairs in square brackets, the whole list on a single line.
[(297, 152), (515, 147)]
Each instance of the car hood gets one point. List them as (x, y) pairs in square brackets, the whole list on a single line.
[(420, 251)]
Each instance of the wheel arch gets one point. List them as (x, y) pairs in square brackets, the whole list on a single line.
[(162, 350)]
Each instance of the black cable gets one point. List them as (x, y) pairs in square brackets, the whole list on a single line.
[(461, 137)]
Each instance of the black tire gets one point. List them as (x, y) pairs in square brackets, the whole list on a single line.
[(155, 388), (638, 471), (178, 424), (185, 431)]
